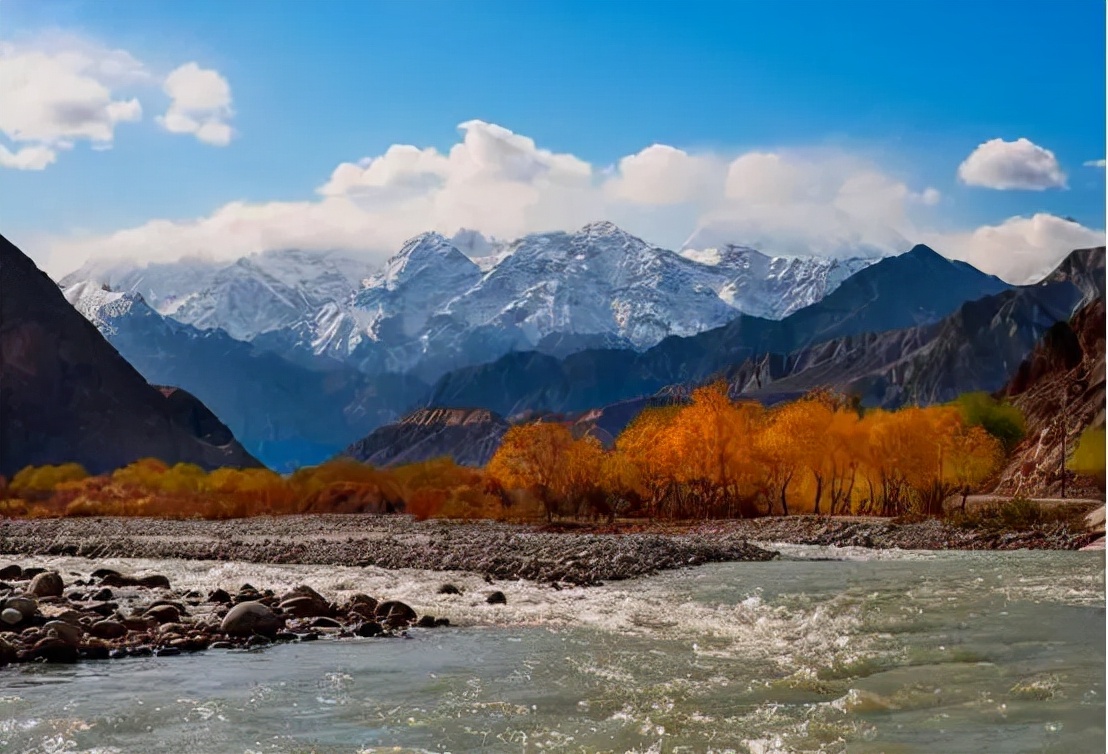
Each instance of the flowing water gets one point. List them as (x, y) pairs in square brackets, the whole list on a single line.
[(828, 650)]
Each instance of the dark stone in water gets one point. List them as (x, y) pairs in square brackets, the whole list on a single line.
[(167, 652), (427, 621), (220, 596), (118, 653), (249, 618), (102, 595), (449, 589), (11, 573), (368, 628), (497, 598), (30, 573), (441, 622), (221, 645), (102, 573), (325, 622), (394, 613)]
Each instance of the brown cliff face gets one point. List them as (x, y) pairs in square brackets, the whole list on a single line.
[(66, 395), (1060, 390), (469, 436)]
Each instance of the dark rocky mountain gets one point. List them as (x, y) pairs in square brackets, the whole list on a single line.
[(1060, 390), (469, 436), (1085, 269), (907, 291), (67, 396), (288, 414)]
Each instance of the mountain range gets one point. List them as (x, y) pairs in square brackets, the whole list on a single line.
[(592, 321), (434, 307)]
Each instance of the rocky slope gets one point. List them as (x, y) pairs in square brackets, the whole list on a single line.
[(67, 395), (468, 436), (1060, 390)]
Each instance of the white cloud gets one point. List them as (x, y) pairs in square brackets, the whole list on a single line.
[(27, 158), (55, 96), (1019, 164), (661, 174), (1095, 163), (200, 104), (818, 201), (1020, 249)]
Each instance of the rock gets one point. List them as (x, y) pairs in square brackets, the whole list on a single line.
[(249, 618), (497, 598), (103, 609), (113, 578), (102, 573), (65, 631), (394, 614), (53, 649), (427, 621), (10, 616), (8, 653), (221, 645), (102, 595), (449, 589), (441, 622), (25, 605), (163, 614), (138, 623), (30, 573), (325, 622), (11, 573), (220, 596), (108, 629), (304, 607), (48, 584), (368, 628), (167, 652)]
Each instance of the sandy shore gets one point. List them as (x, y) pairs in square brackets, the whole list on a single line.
[(570, 554)]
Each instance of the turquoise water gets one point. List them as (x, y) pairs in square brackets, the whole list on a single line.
[(875, 652)]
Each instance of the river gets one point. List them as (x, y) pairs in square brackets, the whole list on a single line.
[(826, 650)]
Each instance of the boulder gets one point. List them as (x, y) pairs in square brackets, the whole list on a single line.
[(25, 605), (67, 632), (48, 584), (11, 573), (108, 629), (250, 618), (9, 616), (497, 598), (394, 614)]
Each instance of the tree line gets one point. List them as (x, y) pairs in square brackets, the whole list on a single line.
[(711, 457)]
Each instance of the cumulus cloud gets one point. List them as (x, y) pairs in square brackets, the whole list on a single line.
[(818, 201), (200, 104), (1020, 249), (1019, 164), (55, 96), (1095, 163), (662, 174)]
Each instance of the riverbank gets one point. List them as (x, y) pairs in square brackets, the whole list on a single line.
[(571, 553), (62, 616)]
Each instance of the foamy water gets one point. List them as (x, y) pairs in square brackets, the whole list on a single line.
[(874, 651)]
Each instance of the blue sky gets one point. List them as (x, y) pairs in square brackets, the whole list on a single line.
[(911, 87)]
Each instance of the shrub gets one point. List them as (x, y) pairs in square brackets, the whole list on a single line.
[(1000, 419)]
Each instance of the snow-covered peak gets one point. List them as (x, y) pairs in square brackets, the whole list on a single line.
[(426, 255), (99, 304)]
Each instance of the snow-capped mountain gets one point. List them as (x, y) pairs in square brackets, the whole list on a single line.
[(441, 303), (775, 287)]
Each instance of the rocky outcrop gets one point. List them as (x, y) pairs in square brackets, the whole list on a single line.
[(468, 436), (1060, 390), (67, 396)]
